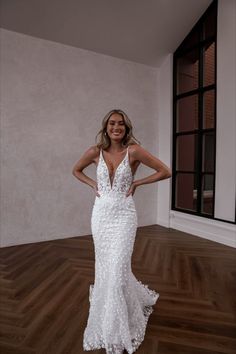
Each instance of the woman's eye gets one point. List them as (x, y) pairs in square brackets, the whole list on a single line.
[(120, 123)]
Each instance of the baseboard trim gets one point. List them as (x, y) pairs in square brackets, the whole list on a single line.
[(213, 230)]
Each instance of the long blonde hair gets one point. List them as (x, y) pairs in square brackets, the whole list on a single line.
[(103, 139)]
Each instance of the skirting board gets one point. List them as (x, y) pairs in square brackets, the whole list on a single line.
[(213, 230)]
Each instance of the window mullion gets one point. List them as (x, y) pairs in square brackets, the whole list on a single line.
[(200, 125)]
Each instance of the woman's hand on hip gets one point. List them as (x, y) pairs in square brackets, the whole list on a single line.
[(131, 189), (95, 187)]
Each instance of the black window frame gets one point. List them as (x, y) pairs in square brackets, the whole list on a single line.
[(200, 131)]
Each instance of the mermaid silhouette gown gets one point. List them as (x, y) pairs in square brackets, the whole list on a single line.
[(120, 304)]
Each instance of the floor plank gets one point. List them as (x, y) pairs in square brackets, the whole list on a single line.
[(44, 294)]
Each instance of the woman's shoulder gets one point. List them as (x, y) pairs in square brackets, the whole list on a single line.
[(92, 153), (134, 148), (94, 150)]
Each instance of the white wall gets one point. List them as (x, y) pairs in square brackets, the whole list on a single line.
[(165, 138), (226, 138), (226, 111), (53, 99)]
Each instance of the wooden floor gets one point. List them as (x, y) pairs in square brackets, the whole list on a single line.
[(44, 294)]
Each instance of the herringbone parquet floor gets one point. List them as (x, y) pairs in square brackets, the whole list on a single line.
[(44, 294)]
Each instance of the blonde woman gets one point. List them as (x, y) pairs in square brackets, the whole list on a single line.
[(120, 304)]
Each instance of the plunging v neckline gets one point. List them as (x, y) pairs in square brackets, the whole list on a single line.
[(114, 175)]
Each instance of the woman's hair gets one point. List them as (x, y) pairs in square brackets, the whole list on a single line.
[(103, 139)]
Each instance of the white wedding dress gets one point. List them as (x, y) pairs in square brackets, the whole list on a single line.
[(120, 304)]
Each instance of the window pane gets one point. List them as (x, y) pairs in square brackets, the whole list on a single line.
[(186, 158), (187, 71), (207, 194), (208, 151), (191, 40), (209, 64), (209, 109), (186, 192), (209, 25), (187, 113)]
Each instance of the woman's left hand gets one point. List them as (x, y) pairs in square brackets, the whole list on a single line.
[(131, 189)]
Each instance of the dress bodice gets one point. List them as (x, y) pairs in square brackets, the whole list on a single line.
[(123, 176)]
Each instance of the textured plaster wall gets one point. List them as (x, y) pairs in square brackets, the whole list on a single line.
[(226, 112), (53, 98), (164, 132)]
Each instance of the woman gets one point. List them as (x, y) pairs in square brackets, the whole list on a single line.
[(119, 303)]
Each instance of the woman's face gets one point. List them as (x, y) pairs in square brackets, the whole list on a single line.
[(116, 127)]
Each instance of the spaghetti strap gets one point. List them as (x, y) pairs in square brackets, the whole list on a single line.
[(128, 155)]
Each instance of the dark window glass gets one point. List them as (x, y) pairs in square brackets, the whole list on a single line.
[(209, 109), (191, 40), (187, 71), (187, 113), (209, 64), (186, 152), (209, 24), (208, 152), (207, 194), (186, 192)]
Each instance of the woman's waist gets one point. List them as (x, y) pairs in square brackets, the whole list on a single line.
[(114, 195), (114, 198)]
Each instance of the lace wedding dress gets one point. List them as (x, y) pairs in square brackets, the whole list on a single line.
[(120, 304)]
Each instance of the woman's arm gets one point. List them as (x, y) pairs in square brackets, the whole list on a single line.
[(87, 158), (140, 154)]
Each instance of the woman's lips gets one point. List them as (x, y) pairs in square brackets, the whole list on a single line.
[(116, 133)]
